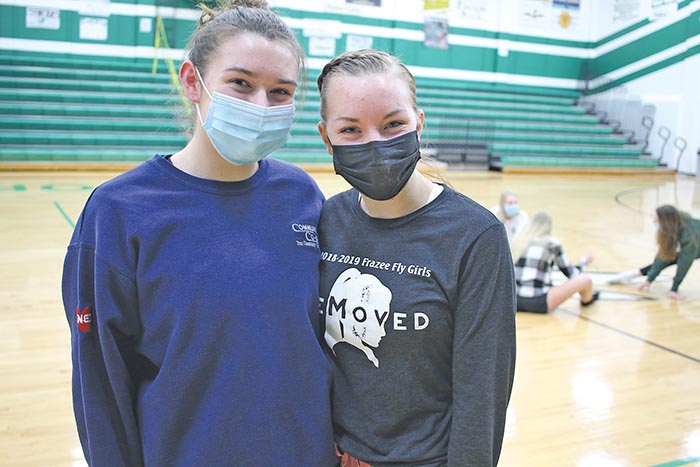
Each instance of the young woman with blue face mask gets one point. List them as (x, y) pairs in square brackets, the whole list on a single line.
[(191, 282), (416, 285), (508, 211)]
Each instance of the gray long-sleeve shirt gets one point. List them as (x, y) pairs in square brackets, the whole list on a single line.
[(420, 315)]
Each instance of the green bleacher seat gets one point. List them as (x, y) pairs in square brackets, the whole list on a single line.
[(543, 149), (104, 109), (578, 162), (54, 123)]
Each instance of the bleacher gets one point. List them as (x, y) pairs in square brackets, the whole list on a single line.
[(513, 127), (93, 110), (85, 110)]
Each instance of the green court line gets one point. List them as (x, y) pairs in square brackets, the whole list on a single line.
[(63, 213), (679, 462)]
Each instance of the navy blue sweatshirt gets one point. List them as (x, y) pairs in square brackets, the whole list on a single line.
[(192, 306)]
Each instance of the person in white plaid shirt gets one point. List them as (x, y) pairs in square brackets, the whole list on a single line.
[(537, 251)]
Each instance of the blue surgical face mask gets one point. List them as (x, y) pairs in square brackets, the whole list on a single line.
[(243, 132), (511, 209)]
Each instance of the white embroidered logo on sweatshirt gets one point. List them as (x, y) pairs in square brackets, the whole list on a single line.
[(306, 235)]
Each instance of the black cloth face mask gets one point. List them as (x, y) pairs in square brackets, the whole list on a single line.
[(378, 169)]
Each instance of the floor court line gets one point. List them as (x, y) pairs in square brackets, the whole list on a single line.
[(628, 334), (679, 462), (63, 213), (626, 206)]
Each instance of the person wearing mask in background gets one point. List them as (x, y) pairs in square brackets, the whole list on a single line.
[(416, 285), (536, 252), (191, 281), (508, 211), (678, 242)]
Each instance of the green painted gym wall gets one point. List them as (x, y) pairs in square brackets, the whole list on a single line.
[(531, 56)]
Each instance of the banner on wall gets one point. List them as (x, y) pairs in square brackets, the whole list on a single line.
[(365, 2), (145, 25), (42, 18), (321, 46), (566, 13), (626, 11), (473, 9), (436, 6), (567, 4), (435, 29), (354, 42), (663, 8), (93, 8), (476, 12), (322, 35), (93, 28), (535, 13)]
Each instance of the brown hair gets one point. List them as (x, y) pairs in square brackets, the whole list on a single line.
[(669, 232), (233, 17), (365, 61)]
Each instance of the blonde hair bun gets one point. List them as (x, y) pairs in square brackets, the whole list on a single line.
[(248, 4), (209, 14)]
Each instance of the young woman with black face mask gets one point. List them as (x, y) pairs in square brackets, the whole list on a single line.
[(191, 282), (417, 287)]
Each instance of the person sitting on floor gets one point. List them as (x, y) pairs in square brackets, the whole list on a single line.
[(535, 251)]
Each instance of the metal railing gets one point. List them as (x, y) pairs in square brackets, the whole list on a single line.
[(624, 112)]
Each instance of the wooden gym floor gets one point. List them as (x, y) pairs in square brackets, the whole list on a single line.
[(613, 385)]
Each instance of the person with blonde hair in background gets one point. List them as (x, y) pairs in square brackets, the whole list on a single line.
[(536, 252), (416, 285), (678, 242), (509, 212), (191, 281)]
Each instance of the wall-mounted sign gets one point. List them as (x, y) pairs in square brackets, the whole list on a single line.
[(435, 30), (354, 42), (93, 28), (321, 46), (365, 2), (43, 18)]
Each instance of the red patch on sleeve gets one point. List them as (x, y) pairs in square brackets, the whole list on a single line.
[(84, 319)]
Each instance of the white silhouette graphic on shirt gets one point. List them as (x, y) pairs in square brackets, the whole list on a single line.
[(356, 311)]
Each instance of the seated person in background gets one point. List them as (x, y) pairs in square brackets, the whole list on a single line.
[(508, 211), (535, 251), (678, 241)]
